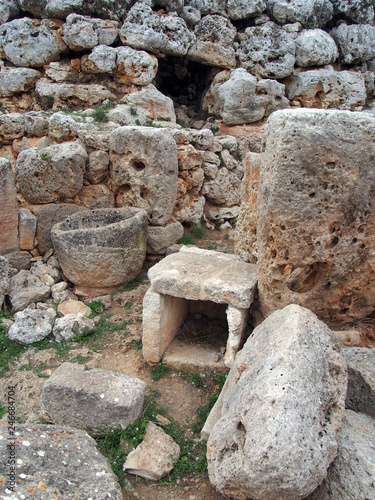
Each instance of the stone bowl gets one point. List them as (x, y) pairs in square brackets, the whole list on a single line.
[(101, 248)]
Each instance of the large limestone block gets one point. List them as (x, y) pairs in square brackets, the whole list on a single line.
[(315, 48), (52, 173), (237, 97), (4, 279), (314, 13), (281, 412), (32, 325), (361, 383), (27, 229), (356, 42), (358, 11), (15, 80), (155, 457), (351, 475), (9, 9), (209, 6), (267, 50), (161, 34), (214, 44), (110, 9), (50, 455), (25, 289), (12, 126), (152, 103), (72, 325), (144, 169), (327, 88), (8, 209), (31, 42), (316, 213), (242, 9), (160, 238), (96, 398), (81, 33), (225, 189)]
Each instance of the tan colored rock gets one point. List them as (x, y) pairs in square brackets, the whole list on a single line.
[(348, 338), (152, 103), (225, 189), (96, 196), (188, 157), (98, 166), (190, 203), (73, 307), (160, 238), (12, 126), (8, 209), (27, 229), (155, 457), (316, 214)]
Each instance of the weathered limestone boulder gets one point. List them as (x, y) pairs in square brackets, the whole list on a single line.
[(201, 139), (63, 92), (97, 196), (4, 279), (72, 325), (190, 15), (267, 50), (214, 44), (40, 269), (152, 103), (63, 127), (315, 48), (58, 72), (209, 6), (160, 238), (189, 158), (155, 457), (161, 34), (27, 229), (242, 9), (8, 209), (75, 307), (19, 259), (327, 88), (309, 12), (9, 9), (98, 399), (15, 80), (98, 166), (31, 325), (12, 126), (144, 169), (237, 97), (25, 289), (356, 42), (52, 173), (358, 11), (127, 64), (81, 32), (50, 455), (102, 247), (316, 213), (281, 411), (361, 384), (351, 474), (31, 42), (225, 189)]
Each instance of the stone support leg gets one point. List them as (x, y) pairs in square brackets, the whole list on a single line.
[(237, 319)]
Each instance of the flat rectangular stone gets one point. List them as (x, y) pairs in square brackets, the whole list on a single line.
[(198, 274), (8, 209)]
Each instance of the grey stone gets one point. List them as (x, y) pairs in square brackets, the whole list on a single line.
[(16, 80), (145, 29), (361, 384), (208, 6), (72, 325), (20, 259), (25, 289), (96, 398), (315, 48), (4, 279), (50, 455), (237, 97), (214, 44), (190, 15), (356, 42), (267, 50), (64, 127), (358, 11), (8, 209), (152, 103), (31, 325), (35, 7), (327, 88), (160, 238), (225, 189), (29, 42), (82, 33), (36, 124), (282, 409), (101, 247), (52, 173), (155, 457), (9, 9), (12, 126), (144, 169), (39, 269), (315, 231), (351, 475), (242, 9), (201, 139), (314, 13)]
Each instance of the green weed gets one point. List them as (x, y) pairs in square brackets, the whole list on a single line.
[(37, 369), (238, 157), (135, 283), (80, 359), (221, 160), (213, 246), (181, 122), (47, 101), (226, 145), (133, 111), (9, 350), (138, 122), (44, 156), (158, 371), (96, 307), (215, 130), (100, 112), (137, 345), (186, 239), (198, 231), (3, 410)]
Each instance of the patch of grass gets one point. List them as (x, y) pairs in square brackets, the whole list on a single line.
[(226, 145), (96, 307), (9, 350), (44, 156), (80, 359), (3, 410), (181, 122), (213, 246), (233, 222), (198, 231), (137, 345), (138, 122), (100, 112), (215, 130), (37, 369), (133, 111), (218, 222), (47, 101), (221, 160), (238, 157), (158, 371), (134, 284), (186, 239)]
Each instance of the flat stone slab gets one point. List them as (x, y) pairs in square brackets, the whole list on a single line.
[(197, 274), (179, 354), (54, 462)]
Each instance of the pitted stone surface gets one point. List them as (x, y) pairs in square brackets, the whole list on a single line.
[(308, 12), (356, 42), (315, 48), (198, 274), (31, 325), (81, 33), (15, 80), (25, 289)]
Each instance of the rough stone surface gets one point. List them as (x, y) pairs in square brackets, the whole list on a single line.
[(82, 33), (327, 88), (155, 457), (97, 196), (30, 42), (8, 209), (98, 399), (160, 238), (281, 412), (31, 325), (98, 166), (50, 455), (75, 307), (214, 44), (237, 97), (316, 214), (225, 189), (27, 229), (72, 325), (15, 80), (145, 29), (9, 9), (19, 259), (242, 9), (351, 474), (358, 11), (361, 384), (25, 289), (152, 103), (315, 48), (308, 12), (356, 42), (40, 269), (4, 279), (144, 169), (267, 51), (52, 173), (12, 126)]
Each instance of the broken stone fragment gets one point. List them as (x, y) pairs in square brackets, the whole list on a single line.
[(25, 289), (32, 325), (72, 325), (73, 307)]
